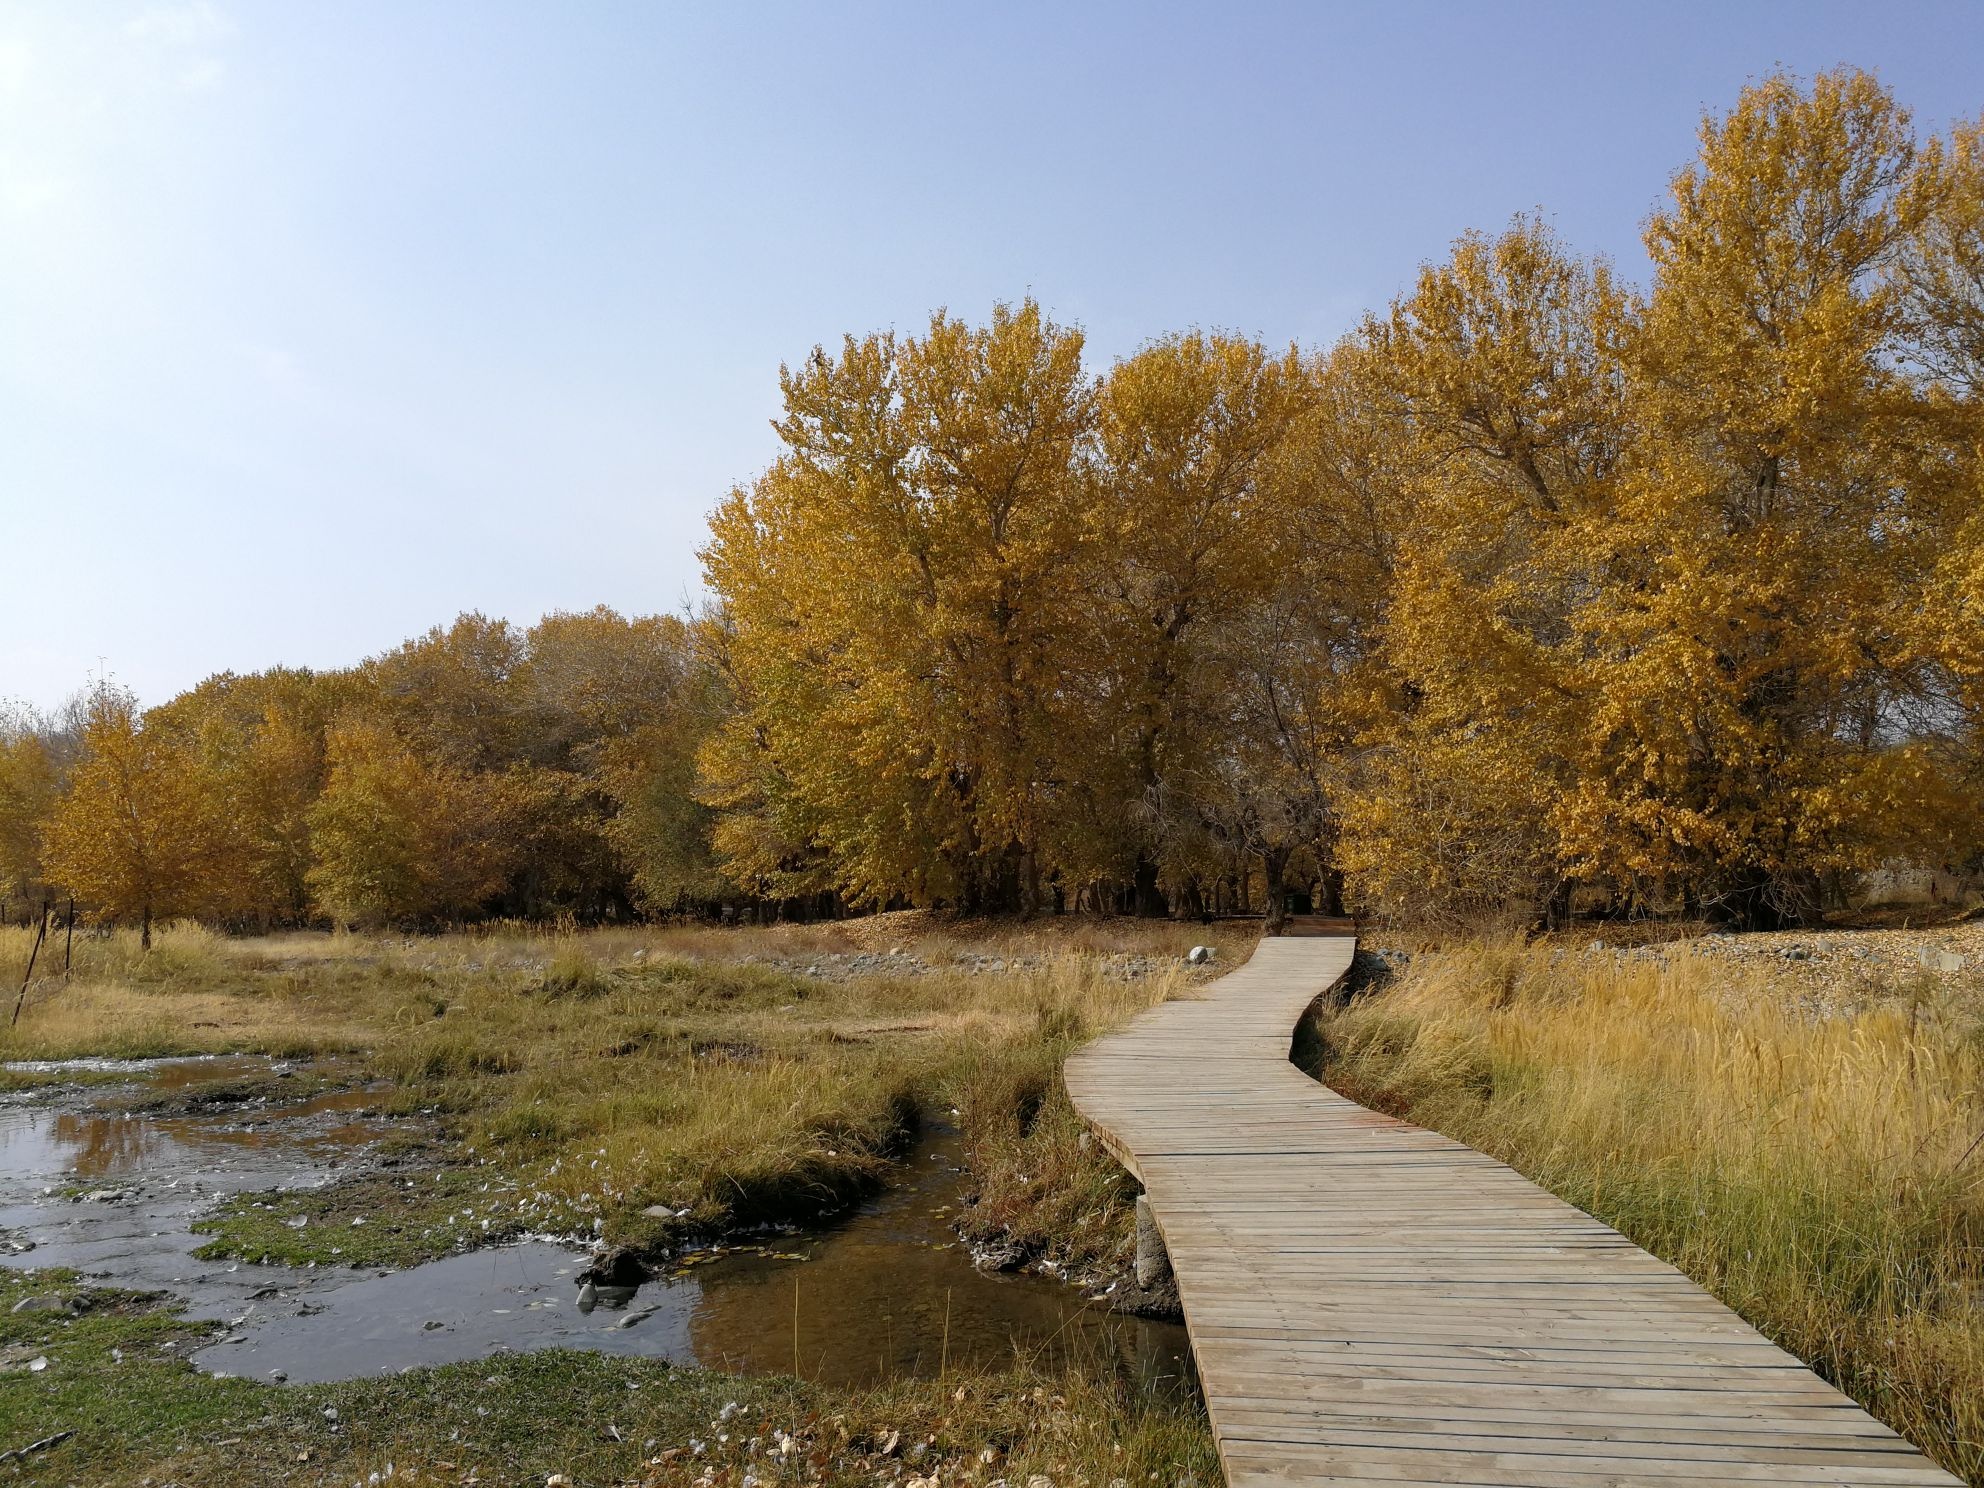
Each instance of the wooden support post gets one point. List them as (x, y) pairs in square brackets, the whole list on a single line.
[(1153, 1261), (69, 938)]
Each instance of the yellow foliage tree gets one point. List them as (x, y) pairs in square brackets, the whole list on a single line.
[(1747, 654), (30, 786), (400, 838), (1500, 382), (1186, 517), (895, 586), (137, 834)]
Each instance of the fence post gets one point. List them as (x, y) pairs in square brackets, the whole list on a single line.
[(28, 975)]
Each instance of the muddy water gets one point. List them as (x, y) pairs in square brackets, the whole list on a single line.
[(114, 1195), (885, 1294)]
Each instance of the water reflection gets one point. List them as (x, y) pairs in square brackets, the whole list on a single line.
[(887, 1295), (891, 1294), (98, 1146)]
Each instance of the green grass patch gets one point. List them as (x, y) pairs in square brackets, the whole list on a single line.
[(387, 1218)]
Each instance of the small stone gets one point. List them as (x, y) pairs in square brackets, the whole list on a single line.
[(1200, 955), (42, 1303), (278, 1375)]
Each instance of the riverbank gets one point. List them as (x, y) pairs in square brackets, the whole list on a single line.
[(111, 1366)]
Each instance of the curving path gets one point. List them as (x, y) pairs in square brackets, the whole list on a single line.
[(1371, 1303)]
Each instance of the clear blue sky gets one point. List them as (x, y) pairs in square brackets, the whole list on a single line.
[(320, 323)]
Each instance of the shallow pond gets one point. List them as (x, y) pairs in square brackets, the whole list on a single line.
[(888, 1292)]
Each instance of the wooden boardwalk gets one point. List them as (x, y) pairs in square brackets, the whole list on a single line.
[(1371, 1303)]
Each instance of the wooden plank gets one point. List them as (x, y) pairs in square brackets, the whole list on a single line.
[(1375, 1304)]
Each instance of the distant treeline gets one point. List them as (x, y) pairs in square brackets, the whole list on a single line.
[(480, 770), (1537, 591)]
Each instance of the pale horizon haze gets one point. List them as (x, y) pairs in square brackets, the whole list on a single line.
[(320, 324)]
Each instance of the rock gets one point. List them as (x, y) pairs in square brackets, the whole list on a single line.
[(999, 1254), (1373, 971), (1200, 955), (616, 1267), (40, 1304), (1796, 953), (431, 1324), (278, 1375), (636, 1317), (588, 1297)]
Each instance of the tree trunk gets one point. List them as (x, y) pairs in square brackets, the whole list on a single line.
[(1557, 908), (1331, 902), (145, 935), (1274, 892)]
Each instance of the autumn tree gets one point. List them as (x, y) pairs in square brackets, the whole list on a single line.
[(31, 782), (1747, 733), (398, 837), (135, 835), (1498, 385), (1186, 528), (626, 704), (895, 585), (255, 745), (1940, 274)]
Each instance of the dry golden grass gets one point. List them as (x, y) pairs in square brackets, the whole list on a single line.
[(607, 1073), (1823, 1174)]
